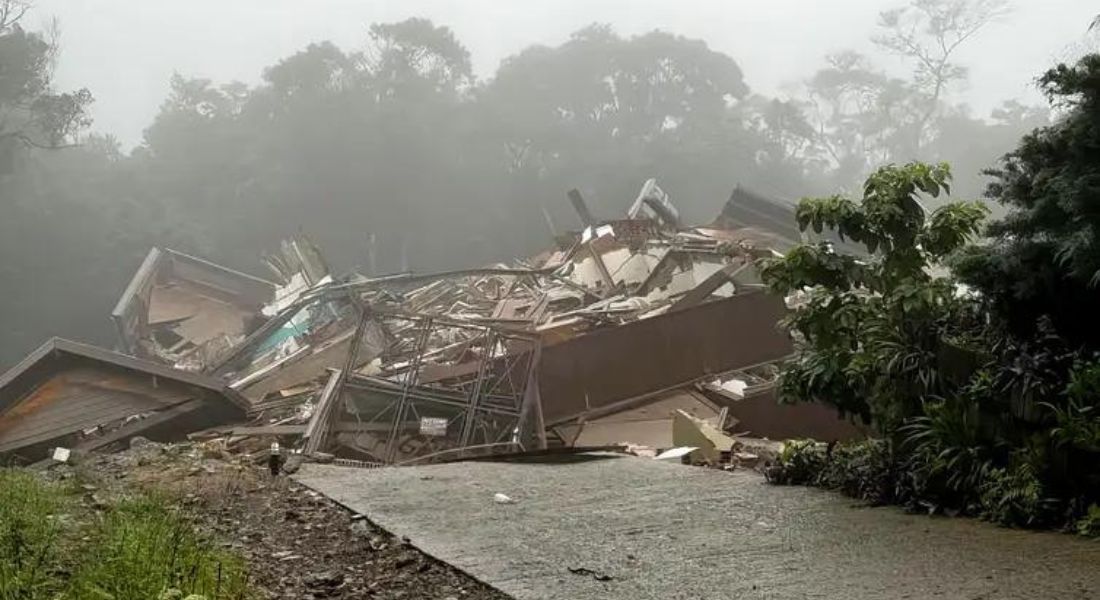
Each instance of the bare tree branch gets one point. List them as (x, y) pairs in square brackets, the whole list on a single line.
[(11, 12)]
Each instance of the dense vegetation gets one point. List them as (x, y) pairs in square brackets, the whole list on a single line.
[(986, 395), (54, 546), (397, 141)]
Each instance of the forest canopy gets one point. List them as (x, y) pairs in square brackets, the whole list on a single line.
[(397, 140)]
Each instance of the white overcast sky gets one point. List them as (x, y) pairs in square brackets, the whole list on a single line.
[(126, 50)]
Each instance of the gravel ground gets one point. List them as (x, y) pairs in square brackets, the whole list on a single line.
[(299, 544)]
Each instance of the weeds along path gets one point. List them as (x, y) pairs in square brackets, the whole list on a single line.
[(271, 537)]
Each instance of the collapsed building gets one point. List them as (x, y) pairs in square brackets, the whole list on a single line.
[(601, 339)]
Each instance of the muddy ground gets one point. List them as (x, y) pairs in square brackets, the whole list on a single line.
[(298, 543)]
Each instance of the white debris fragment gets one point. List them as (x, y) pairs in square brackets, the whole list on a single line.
[(502, 499), (61, 455), (674, 453)]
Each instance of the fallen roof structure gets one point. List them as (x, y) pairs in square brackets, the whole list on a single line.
[(83, 397), (177, 306), (749, 210), (504, 358)]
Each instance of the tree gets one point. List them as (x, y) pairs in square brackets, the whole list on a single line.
[(1043, 258), (972, 144), (928, 33), (413, 56), (605, 112), (871, 329), (862, 116), (31, 112)]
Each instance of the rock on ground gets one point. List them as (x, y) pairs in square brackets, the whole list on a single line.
[(297, 543)]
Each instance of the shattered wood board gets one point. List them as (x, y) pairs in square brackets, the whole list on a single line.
[(670, 531)]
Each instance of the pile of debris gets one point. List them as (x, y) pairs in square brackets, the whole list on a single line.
[(602, 339)]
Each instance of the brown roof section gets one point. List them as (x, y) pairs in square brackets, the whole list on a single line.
[(74, 395), (33, 369)]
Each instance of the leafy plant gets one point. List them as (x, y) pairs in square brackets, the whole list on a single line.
[(1089, 525), (863, 470), (1014, 496), (988, 395), (1078, 419), (872, 326), (800, 463), (948, 452)]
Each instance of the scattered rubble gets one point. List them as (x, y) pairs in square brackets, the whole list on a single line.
[(606, 338)]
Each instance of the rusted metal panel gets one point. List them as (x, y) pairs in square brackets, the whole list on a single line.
[(664, 352), (762, 415)]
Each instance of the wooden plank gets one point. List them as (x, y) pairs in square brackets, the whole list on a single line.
[(136, 427), (707, 286), (317, 428)]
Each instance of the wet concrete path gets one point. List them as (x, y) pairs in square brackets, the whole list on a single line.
[(658, 530)]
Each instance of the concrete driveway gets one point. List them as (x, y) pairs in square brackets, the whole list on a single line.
[(614, 527)]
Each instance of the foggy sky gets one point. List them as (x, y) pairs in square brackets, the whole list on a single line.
[(126, 50)]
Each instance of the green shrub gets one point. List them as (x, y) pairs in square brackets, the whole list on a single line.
[(144, 548), (862, 469), (948, 455), (30, 531), (1014, 497), (800, 463), (1089, 525)]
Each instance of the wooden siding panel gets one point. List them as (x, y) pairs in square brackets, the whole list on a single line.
[(80, 398)]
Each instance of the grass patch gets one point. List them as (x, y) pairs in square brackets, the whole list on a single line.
[(30, 532), (139, 548)]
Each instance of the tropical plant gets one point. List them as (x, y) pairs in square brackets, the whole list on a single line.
[(1089, 525), (1014, 496), (872, 326)]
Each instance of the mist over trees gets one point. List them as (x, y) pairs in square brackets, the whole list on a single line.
[(397, 139)]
